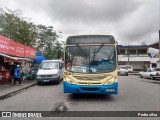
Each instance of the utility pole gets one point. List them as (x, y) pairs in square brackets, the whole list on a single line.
[(159, 45), (128, 54), (158, 62)]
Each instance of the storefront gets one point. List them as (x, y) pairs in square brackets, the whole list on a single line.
[(11, 54)]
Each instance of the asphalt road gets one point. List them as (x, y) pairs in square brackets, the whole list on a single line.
[(135, 94)]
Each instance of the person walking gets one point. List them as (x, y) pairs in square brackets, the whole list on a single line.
[(17, 75), (21, 74)]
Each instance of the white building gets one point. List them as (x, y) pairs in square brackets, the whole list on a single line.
[(136, 55)]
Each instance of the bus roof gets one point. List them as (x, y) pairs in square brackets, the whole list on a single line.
[(90, 39)]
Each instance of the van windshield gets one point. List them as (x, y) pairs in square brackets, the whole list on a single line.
[(48, 65)]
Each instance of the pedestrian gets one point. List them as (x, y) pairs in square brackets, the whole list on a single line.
[(17, 75), (21, 74)]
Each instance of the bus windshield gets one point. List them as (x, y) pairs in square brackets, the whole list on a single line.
[(90, 59)]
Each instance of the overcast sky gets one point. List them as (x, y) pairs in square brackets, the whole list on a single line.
[(131, 22)]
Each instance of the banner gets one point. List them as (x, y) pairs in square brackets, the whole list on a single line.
[(30, 52), (16, 49), (4, 45)]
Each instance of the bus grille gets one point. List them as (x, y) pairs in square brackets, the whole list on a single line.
[(92, 78), (46, 76), (89, 89)]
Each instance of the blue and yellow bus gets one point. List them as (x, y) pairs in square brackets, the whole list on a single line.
[(90, 64)]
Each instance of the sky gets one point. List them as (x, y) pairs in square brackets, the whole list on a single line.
[(131, 22)]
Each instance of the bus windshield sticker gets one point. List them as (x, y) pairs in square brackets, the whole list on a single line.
[(79, 69)]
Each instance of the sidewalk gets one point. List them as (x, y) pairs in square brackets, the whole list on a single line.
[(8, 89)]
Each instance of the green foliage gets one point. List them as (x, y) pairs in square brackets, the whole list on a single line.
[(47, 41), (18, 29)]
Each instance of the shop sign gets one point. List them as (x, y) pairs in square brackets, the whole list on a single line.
[(30, 52), (16, 49), (20, 49), (4, 45)]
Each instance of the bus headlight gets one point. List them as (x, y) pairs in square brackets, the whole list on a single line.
[(67, 79), (71, 82), (110, 81), (54, 75)]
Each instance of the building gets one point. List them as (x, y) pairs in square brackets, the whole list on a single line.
[(139, 56), (157, 55), (154, 45), (135, 55)]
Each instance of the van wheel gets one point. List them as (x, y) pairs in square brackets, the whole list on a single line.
[(39, 83), (58, 81)]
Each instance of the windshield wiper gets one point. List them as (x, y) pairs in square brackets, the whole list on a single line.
[(97, 51), (82, 51)]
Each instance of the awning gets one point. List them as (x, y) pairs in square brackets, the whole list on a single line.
[(16, 58), (39, 59)]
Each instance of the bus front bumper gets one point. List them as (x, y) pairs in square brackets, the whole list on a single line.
[(102, 89)]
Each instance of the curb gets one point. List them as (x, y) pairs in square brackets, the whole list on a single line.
[(133, 73), (2, 97)]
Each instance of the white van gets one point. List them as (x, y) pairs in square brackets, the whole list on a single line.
[(129, 68), (50, 71)]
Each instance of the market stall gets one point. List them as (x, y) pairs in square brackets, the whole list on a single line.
[(11, 54)]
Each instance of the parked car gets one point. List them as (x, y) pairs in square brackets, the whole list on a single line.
[(151, 73), (122, 71), (50, 71)]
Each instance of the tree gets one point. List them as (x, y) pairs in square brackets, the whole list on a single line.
[(19, 29), (47, 41), (16, 28), (45, 37)]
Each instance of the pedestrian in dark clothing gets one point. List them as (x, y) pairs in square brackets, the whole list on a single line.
[(17, 75)]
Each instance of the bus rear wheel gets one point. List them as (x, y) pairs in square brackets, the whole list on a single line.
[(58, 80)]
